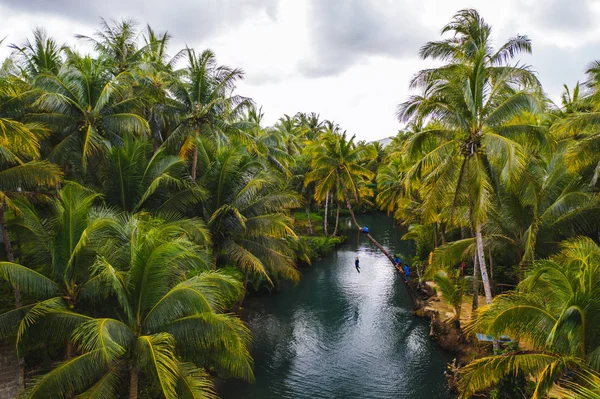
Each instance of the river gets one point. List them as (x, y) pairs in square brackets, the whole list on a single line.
[(344, 334)]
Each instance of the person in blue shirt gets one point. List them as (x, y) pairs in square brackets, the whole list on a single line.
[(406, 271), (365, 229)]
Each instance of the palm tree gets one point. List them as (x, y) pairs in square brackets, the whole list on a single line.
[(247, 214), (547, 203), (168, 327), (117, 42), (134, 178), (555, 310), (87, 108), (299, 172), (21, 173), (337, 163), (205, 102), (311, 124), (291, 133), (43, 55), (58, 248), (154, 74), (473, 100), (452, 286), (266, 142)]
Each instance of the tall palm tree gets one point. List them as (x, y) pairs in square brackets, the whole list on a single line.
[(205, 102), (473, 99), (555, 309), (86, 108), (247, 214), (336, 167)]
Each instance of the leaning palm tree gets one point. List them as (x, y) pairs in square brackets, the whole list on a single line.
[(247, 214), (555, 309), (86, 108), (168, 327), (206, 103), (473, 100)]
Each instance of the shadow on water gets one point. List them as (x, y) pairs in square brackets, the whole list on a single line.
[(343, 334)]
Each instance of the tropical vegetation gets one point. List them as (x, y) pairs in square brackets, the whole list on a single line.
[(142, 198)]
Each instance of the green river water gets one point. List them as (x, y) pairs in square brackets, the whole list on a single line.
[(344, 334)]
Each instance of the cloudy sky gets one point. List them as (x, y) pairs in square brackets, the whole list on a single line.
[(348, 60)]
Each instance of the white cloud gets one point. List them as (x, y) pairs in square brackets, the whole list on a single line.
[(349, 61)]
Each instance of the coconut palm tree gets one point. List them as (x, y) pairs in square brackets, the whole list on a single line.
[(21, 171), (87, 108), (43, 55), (247, 214), (548, 203), (168, 326), (267, 143), (555, 309), (336, 167), (58, 248), (134, 178), (292, 134), (154, 74), (117, 41), (473, 100), (307, 192), (311, 123), (206, 103)]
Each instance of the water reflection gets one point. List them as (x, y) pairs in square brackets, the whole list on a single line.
[(341, 334)]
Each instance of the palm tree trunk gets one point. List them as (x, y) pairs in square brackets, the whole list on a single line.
[(307, 208), (484, 275), (194, 163), (10, 256), (133, 383), (475, 303), (492, 281), (481, 257), (350, 209), (337, 219), (245, 281), (325, 218), (435, 235), (443, 233), (214, 258)]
